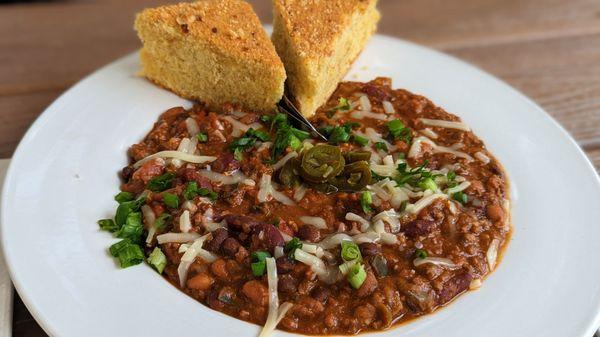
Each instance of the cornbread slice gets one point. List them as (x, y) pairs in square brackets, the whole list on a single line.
[(317, 41), (213, 51)]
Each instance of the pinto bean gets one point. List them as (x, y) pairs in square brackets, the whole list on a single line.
[(494, 212), (418, 228), (127, 172), (240, 223), (218, 236), (225, 163), (201, 281), (321, 294), (453, 287), (369, 249), (256, 292), (309, 233), (219, 269), (365, 314), (284, 265), (368, 286)]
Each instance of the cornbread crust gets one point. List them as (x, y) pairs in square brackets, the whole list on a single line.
[(317, 41), (215, 51)]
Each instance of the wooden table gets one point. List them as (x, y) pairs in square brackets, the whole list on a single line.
[(548, 49)]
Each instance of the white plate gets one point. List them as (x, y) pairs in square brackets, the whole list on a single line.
[(64, 174)]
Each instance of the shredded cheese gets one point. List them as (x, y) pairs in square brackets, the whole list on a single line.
[(266, 190), (482, 157), (492, 253), (424, 202), (438, 261), (316, 221), (185, 223), (235, 178), (415, 149), (149, 219), (190, 255), (238, 127), (284, 160), (192, 126), (460, 187), (276, 313), (177, 237), (364, 224), (365, 103), (429, 133), (445, 124), (176, 155), (388, 107)]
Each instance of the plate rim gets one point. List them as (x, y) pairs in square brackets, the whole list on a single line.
[(51, 110)]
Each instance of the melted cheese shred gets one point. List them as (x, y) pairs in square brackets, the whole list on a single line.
[(445, 124), (276, 312), (186, 157), (238, 127), (415, 149), (190, 255)]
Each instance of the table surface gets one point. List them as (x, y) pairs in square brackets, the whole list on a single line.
[(548, 49)]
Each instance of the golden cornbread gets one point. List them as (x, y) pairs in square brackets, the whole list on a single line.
[(213, 51), (317, 41)]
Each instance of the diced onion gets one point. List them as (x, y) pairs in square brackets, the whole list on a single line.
[(185, 223), (284, 160), (192, 127), (446, 124), (176, 155), (316, 221), (492, 253), (438, 261), (177, 237)]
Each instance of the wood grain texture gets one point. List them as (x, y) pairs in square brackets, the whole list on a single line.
[(549, 49)]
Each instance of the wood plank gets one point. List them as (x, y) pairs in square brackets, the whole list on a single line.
[(18, 112), (594, 156), (452, 24), (559, 74)]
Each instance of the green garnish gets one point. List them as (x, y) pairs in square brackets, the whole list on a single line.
[(128, 253), (291, 246), (460, 197), (360, 140), (123, 197), (161, 183), (451, 175), (343, 105), (108, 225), (414, 176), (259, 263), (127, 207), (286, 135), (202, 137), (398, 131), (420, 254), (366, 199), (132, 229), (381, 146), (357, 275), (339, 134), (157, 260), (247, 141), (403, 205), (428, 184), (162, 220), (192, 190), (171, 200), (350, 251)]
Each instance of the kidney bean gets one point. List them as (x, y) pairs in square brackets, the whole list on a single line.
[(230, 246), (284, 265), (454, 287), (225, 163), (369, 249), (418, 228), (240, 223), (321, 294), (266, 236), (287, 284), (218, 236)]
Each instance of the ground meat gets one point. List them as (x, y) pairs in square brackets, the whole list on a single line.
[(309, 233), (287, 284), (225, 163), (230, 247), (240, 223), (495, 212), (418, 228), (218, 236), (365, 314), (284, 265)]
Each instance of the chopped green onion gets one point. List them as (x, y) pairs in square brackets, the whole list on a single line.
[(366, 199), (428, 184), (451, 175), (108, 225), (157, 260), (381, 146), (123, 197), (291, 246), (343, 105), (259, 265), (362, 141), (171, 200), (403, 205), (128, 207), (202, 137), (286, 136), (128, 253), (346, 266), (357, 275), (161, 183), (191, 190), (132, 229), (162, 220), (350, 251), (339, 134), (261, 135), (460, 197), (398, 131), (421, 254)]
